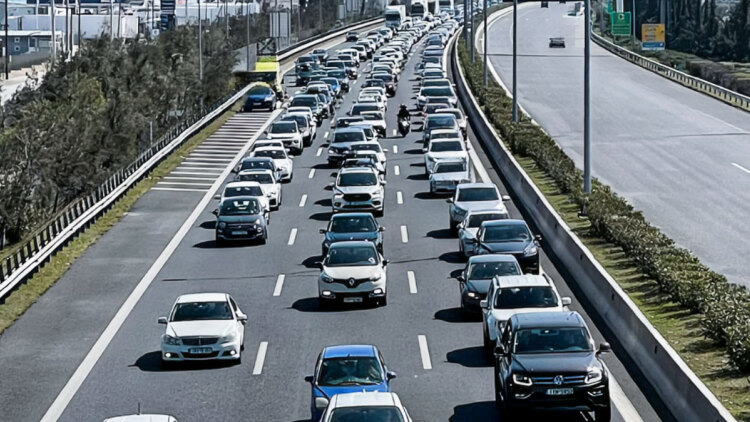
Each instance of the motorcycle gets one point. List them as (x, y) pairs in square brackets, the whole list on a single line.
[(403, 126)]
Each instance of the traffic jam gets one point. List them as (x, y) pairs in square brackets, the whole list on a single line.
[(544, 356)]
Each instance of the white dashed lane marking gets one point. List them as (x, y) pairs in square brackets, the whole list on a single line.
[(399, 197), (395, 149), (396, 170), (412, 282), (279, 285), (320, 151), (260, 358), (404, 235), (424, 352), (303, 200), (292, 237), (312, 174)]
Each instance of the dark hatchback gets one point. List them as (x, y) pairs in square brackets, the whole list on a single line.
[(352, 226), (547, 360), (260, 96), (474, 281), (509, 237), (241, 218)]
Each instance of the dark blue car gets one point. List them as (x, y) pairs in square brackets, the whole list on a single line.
[(352, 226), (347, 369), (260, 96)]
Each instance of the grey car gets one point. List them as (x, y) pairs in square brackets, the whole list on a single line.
[(467, 230), (448, 174), (474, 196), (474, 281), (341, 143)]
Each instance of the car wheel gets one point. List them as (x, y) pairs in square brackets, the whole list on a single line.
[(383, 301), (263, 239), (218, 241), (453, 227), (488, 350), (325, 305), (380, 212), (603, 414)]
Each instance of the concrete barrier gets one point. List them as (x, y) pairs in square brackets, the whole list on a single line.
[(684, 395)]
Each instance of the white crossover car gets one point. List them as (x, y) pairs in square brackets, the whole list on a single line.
[(267, 180), (142, 418), (358, 189), (352, 272), (444, 150), (254, 189), (283, 162), (203, 326), (366, 406)]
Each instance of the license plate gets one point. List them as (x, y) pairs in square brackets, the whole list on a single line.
[(559, 391), (239, 233), (352, 300), (258, 103), (200, 350)]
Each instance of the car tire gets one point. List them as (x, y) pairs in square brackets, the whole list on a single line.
[(379, 213), (262, 240), (325, 305), (453, 227), (603, 414), (218, 241), (383, 301)]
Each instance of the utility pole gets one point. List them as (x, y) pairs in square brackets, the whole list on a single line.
[(515, 61), (226, 16), (7, 49), (586, 107), (78, 12), (187, 20), (53, 50), (472, 38), (484, 44), (632, 37), (200, 45), (247, 41), (320, 12), (111, 20)]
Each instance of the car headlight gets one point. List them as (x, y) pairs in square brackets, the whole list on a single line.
[(222, 225), (269, 194), (256, 221), (523, 380), (172, 341), (530, 250), (459, 211), (594, 375), (229, 338), (338, 195), (325, 278), (376, 277)]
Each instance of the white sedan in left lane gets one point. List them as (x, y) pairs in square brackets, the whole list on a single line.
[(203, 326), (279, 156)]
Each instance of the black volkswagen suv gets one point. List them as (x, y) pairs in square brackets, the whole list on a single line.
[(548, 360)]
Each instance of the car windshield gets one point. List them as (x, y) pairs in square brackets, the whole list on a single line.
[(361, 108), (437, 91), (304, 102), (383, 77), (348, 136), (201, 311), (283, 127), (440, 121), (446, 146), (372, 116), (374, 82), (262, 178), (477, 194), (352, 256), (359, 162), (445, 135), (552, 340), (485, 270), (276, 154), (330, 81), (350, 370), (434, 73), (244, 207), (337, 74), (301, 120), (525, 297), (319, 51), (305, 59), (506, 233), (260, 90), (352, 225), (337, 63), (366, 413), (373, 146), (478, 219), (232, 191), (357, 179), (436, 82), (450, 167), (256, 164)]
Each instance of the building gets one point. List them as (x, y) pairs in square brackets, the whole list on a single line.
[(29, 41)]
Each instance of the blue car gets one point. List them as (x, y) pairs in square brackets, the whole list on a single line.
[(261, 96), (347, 369), (352, 226), (334, 84)]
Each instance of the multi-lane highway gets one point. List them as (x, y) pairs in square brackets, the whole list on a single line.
[(91, 343), (680, 156)]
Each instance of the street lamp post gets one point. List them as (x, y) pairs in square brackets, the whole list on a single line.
[(514, 110), (586, 106), (484, 44), (7, 50)]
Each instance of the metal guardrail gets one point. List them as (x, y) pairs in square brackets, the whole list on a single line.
[(681, 391), (77, 216), (720, 93)]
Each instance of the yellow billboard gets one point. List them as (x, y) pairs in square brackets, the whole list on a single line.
[(653, 36)]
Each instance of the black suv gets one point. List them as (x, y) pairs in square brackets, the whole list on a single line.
[(548, 360)]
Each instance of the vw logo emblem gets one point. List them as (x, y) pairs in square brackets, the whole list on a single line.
[(351, 282), (558, 380)]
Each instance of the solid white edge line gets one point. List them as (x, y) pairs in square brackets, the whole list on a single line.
[(292, 236), (424, 352), (741, 168), (303, 200), (179, 189), (395, 149), (399, 197), (185, 183), (67, 393), (320, 151), (412, 282), (396, 170), (279, 285), (260, 358), (312, 174), (404, 235)]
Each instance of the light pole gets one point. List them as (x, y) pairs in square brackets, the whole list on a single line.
[(111, 19), (53, 50), (586, 107), (484, 44), (200, 46), (247, 41), (7, 49), (515, 61)]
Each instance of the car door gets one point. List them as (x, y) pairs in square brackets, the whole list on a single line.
[(504, 361), (239, 325)]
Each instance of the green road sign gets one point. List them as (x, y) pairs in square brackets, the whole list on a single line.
[(609, 8), (621, 23)]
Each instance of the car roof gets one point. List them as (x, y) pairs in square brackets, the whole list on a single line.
[(436, 115), (449, 110), (257, 159), (348, 129), (351, 244), (344, 350), (475, 185), (526, 280), (439, 131), (497, 257), (370, 398), (505, 222), (203, 297), (240, 184), (352, 215), (548, 320), (141, 418), (269, 148), (356, 170), (251, 171)]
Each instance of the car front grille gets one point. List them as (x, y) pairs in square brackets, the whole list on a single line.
[(351, 282), (199, 341), (566, 380), (358, 197), (187, 355)]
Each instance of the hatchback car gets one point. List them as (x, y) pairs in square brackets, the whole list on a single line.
[(473, 197), (352, 226), (241, 218), (363, 407), (283, 162), (267, 181), (260, 95), (449, 173), (341, 141), (474, 281), (509, 237), (347, 369), (352, 272), (288, 132), (467, 229)]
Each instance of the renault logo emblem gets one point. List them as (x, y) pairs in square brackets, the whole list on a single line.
[(558, 380), (351, 282)]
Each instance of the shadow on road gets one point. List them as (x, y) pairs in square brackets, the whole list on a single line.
[(470, 357), (472, 412), (151, 362), (456, 315), (441, 234)]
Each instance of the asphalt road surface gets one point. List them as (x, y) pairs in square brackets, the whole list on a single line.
[(449, 380), (681, 157)]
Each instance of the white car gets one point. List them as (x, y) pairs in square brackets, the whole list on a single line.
[(305, 110), (288, 133), (375, 147), (142, 418), (448, 174), (444, 149), (271, 187), (377, 120), (460, 118), (366, 406), (373, 90), (354, 54), (518, 294), (384, 68), (445, 134), (254, 189), (467, 229), (283, 162), (203, 326), (352, 272), (263, 143), (380, 100), (358, 189)]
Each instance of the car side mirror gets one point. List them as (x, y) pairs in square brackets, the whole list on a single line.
[(506, 198), (386, 262), (241, 317), (319, 264), (331, 185), (538, 237), (323, 231), (449, 200), (162, 320), (499, 350), (604, 347), (309, 378), (460, 226), (566, 301), (217, 196), (390, 375), (381, 229), (215, 212), (484, 304), (383, 183), (424, 150), (461, 278), (235, 170)]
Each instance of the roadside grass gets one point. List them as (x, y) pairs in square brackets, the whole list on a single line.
[(22, 298), (680, 327)]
